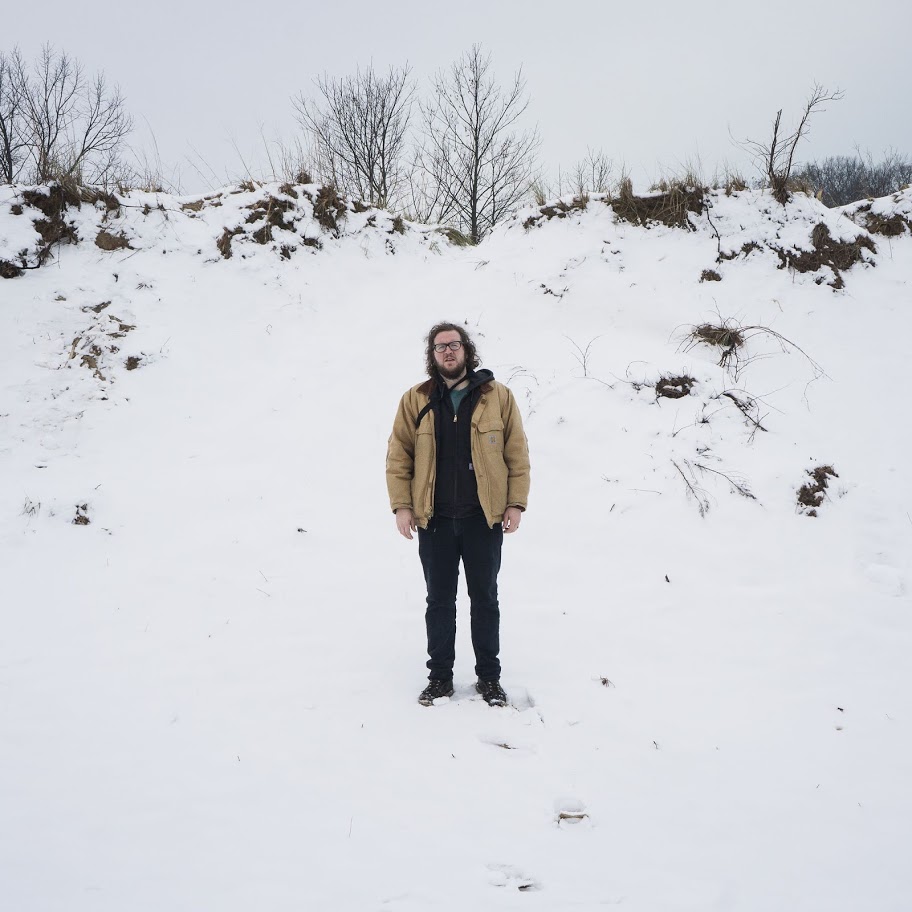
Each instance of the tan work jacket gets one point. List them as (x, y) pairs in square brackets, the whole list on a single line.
[(500, 454)]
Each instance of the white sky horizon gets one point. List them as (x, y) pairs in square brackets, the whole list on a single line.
[(655, 86)]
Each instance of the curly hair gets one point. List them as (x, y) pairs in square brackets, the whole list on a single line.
[(471, 355)]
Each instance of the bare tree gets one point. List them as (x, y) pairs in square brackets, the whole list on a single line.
[(358, 129), (477, 166), (13, 140), (776, 156), (56, 124)]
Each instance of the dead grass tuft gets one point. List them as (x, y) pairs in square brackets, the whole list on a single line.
[(132, 362), (710, 275), (9, 271), (82, 515), (671, 207), (107, 241)]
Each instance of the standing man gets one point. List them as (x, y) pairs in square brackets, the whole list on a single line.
[(457, 469)]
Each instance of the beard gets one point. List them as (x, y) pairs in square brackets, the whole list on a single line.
[(452, 370)]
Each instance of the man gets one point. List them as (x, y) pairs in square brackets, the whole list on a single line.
[(457, 469)]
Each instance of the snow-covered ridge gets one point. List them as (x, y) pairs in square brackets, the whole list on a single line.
[(284, 219), (803, 235)]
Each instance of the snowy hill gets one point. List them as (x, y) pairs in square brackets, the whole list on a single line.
[(212, 637)]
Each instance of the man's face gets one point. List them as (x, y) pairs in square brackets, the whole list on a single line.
[(451, 364)]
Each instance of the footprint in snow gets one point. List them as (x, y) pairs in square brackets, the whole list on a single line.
[(511, 877)]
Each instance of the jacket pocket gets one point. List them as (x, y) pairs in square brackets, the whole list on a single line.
[(491, 434)]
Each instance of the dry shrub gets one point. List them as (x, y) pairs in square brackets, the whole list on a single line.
[(724, 336), (288, 190), (359, 206), (398, 225)]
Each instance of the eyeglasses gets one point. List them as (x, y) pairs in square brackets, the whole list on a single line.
[(452, 346)]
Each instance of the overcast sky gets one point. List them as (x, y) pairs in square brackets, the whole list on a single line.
[(652, 84)]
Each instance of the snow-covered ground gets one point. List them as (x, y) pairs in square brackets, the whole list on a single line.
[(208, 690)]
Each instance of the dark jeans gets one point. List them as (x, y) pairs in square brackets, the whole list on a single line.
[(441, 546)]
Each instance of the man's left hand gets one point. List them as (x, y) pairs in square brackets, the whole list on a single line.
[(511, 519)]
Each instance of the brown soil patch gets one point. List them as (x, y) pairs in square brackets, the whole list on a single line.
[(674, 387), (810, 496)]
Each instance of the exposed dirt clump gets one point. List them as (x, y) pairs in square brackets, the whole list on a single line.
[(747, 248), (224, 242), (889, 226), (838, 255), (674, 387), (107, 241), (710, 275), (560, 210), (810, 495), (329, 207)]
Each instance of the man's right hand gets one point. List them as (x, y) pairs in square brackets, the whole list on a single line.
[(405, 522)]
